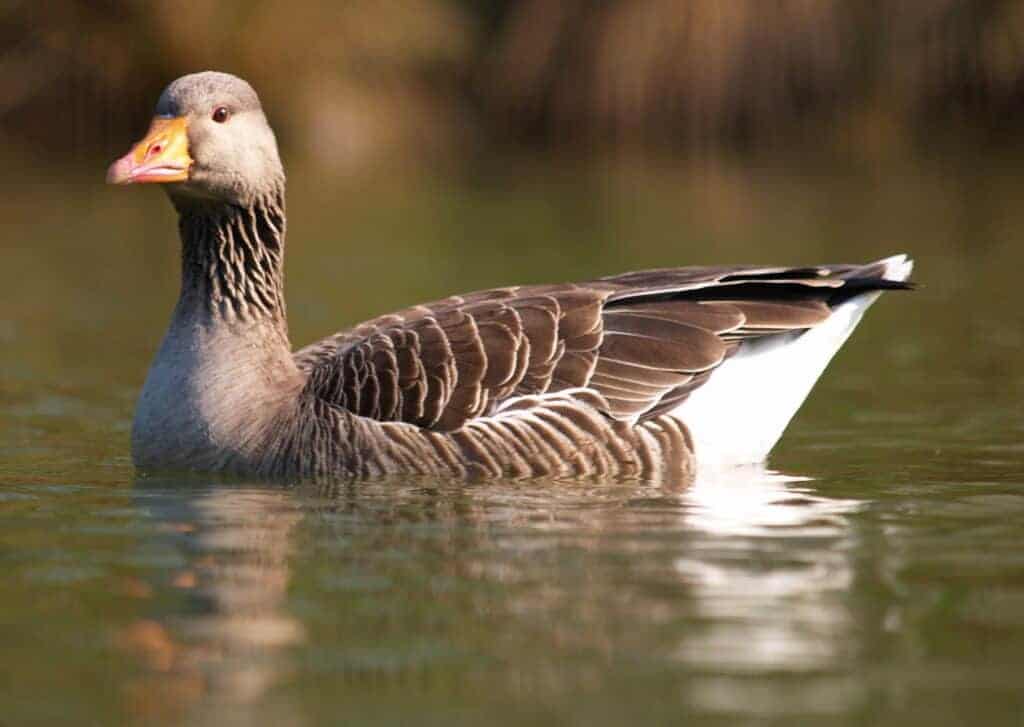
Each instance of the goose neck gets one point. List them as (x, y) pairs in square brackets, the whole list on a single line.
[(233, 260)]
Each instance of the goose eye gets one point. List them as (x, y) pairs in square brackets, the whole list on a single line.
[(220, 115)]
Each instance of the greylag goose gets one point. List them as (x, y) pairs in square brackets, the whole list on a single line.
[(641, 374)]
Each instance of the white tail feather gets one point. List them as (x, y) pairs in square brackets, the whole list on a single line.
[(746, 404)]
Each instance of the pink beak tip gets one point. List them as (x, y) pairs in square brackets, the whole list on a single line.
[(120, 172)]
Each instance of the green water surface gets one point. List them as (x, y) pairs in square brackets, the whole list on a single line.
[(873, 575)]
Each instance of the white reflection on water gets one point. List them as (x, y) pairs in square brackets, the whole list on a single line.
[(754, 500), (769, 579)]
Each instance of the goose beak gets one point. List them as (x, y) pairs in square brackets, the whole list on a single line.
[(162, 156)]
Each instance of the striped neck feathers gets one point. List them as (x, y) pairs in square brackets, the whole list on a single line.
[(233, 259)]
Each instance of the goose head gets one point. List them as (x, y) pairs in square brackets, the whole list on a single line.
[(209, 141)]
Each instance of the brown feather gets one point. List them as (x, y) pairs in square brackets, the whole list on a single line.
[(641, 341), (717, 318), (778, 315), (697, 352)]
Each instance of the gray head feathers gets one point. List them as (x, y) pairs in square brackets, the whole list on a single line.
[(234, 152), (199, 92)]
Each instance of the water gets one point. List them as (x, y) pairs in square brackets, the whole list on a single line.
[(873, 575)]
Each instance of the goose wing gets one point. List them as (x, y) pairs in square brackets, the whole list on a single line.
[(642, 340)]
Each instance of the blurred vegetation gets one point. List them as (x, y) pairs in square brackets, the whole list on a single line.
[(356, 81)]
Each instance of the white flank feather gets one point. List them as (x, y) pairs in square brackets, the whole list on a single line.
[(741, 412)]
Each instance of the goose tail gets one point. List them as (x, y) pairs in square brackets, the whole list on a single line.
[(742, 411)]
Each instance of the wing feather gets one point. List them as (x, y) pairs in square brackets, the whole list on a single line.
[(632, 346)]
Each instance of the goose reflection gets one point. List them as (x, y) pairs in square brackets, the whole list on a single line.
[(734, 575), (224, 647), (770, 579)]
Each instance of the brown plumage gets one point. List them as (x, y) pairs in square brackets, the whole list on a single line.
[(639, 340), (581, 379)]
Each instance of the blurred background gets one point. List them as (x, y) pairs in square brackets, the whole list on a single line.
[(349, 84)]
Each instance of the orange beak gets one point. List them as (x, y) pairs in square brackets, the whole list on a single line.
[(162, 156)]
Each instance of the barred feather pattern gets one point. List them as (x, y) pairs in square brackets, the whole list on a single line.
[(567, 380), (641, 341), (554, 435)]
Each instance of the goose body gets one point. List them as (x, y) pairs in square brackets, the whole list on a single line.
[(647, 373)]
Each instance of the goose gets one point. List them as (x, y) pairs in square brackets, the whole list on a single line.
[(645, 374)]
